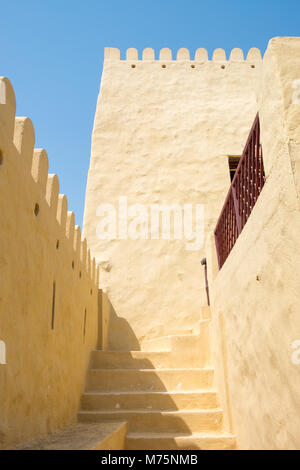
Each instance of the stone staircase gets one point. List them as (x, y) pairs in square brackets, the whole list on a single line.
[(165, 395)]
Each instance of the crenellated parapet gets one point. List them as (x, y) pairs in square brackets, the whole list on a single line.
[(183, 55), (33, 162), (49, 311)]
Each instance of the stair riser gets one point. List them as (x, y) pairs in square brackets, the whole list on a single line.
[(152, 401), (157, 344), (180, 443), (194, 345), (163, 343), (135, 380), (134, 360), (158, 422), (144, 360)]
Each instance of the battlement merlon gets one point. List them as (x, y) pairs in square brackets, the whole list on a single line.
[(183, 54)]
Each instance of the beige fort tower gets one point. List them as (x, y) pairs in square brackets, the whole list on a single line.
[(163, 131)]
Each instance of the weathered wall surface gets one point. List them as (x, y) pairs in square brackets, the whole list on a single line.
[(162, 134), (46, 358), (255, 296)]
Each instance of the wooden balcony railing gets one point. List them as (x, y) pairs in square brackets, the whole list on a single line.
[(245, 188)]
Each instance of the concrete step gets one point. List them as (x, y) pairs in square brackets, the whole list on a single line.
[(131, 360), (149, 380), (186, 421), (202, 399), (162, 343), (165, 343), (191, 345), (195, 441), (84, 436), (144, 360)]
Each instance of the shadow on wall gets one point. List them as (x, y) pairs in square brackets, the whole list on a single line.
[(115, 333)]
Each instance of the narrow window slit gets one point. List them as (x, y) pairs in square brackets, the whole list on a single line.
[(53, 305), (84, 326)]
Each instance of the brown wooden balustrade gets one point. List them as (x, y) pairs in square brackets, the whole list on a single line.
[(245, 188)]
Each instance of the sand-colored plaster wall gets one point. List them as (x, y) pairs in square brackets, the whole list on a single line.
[(255, 296), (163, 131), (44, 375)]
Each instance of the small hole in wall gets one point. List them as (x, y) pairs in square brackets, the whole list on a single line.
[(253, 66), (192, 66), (1, 157), (80, 274), (73, 265), (57, 244), (163, 66), (91, 291), (222, 66), (36, 209), (133, 66)]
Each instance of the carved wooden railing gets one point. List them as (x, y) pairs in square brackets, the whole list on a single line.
[(245, 188)]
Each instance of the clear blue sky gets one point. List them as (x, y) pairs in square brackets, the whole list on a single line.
[(52, 51)]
